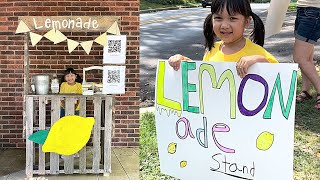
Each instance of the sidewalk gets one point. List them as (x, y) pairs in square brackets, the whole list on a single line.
[(125, 166)]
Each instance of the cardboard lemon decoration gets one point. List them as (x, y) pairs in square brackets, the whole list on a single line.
[(68, 135)]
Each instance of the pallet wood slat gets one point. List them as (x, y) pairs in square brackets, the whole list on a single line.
[(107, 135), (101, 145), (76, 171), (29, 131), (26, 65), (42, 125), (82, 153), (69, 160), (55, 115), (96, 134)]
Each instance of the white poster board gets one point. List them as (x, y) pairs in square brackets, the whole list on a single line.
[(115, 50), (211, 124), (114, 79)]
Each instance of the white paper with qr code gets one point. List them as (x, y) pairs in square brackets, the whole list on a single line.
[(114, 79), (115, 50)]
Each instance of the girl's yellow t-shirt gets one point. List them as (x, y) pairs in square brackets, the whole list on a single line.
[(65, 88), (249, 49)]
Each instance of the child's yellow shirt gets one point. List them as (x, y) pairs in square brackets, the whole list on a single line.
[(65, 88), (249, 49)]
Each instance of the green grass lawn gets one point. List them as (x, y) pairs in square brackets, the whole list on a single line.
[(306, 146), (292, 7)]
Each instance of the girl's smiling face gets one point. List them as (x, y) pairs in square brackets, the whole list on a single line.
[(229, 27), (70, 78)]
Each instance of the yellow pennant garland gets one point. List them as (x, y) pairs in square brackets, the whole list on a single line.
[(86, 45), (35, 38), (102, 39), (22, 28), (56, 37), (72, 45), (114, 29), (59, 37), (50, 35)]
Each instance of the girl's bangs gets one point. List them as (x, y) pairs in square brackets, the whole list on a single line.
[(233, 7)]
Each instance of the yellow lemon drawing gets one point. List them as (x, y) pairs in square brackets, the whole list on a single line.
[(183, 164), (172, 147), (265, 140), (68, 135)]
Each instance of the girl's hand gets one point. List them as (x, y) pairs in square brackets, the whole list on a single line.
[(175, 61), (246, 61)]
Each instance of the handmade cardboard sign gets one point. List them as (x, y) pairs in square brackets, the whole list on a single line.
[(211, 124)]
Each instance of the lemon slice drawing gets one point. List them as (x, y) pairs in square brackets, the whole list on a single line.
[(183, 164), (172, 148), (265, 140)]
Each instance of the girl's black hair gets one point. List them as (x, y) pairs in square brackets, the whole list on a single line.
[(233, 6), (72, 71)]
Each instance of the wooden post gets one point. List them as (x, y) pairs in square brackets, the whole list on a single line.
[(55, 115), (83, 158), (29, 130), (96, 135), (107, 135), (25, 80), (69, 160), (42, 126)]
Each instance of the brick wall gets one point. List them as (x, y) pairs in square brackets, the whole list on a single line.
[(48, 58)]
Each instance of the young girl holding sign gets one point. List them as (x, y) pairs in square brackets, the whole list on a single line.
[(228, 21)]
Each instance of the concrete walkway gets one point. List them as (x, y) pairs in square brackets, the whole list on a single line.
[(125, 166)]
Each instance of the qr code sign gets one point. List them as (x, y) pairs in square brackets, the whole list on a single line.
[(114, 46), (113, 76)]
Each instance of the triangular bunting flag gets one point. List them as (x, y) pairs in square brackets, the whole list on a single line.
[(102, 39), (35, 38), (22, 27), (86, 45), (51, 35), (59, 37), (118, 31), (114, 29), (72, 45)]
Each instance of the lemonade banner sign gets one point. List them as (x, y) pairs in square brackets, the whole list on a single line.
[(211, 124)]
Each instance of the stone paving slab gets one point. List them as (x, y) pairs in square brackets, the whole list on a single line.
[(125, 165)]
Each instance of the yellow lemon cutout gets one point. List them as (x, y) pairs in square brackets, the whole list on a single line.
[(68, 135), (183, 164), (172, 147), (265, 140)]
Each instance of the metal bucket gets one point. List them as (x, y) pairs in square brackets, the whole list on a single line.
[(41, 82)]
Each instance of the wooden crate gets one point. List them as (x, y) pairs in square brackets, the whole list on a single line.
[(103, 115)]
